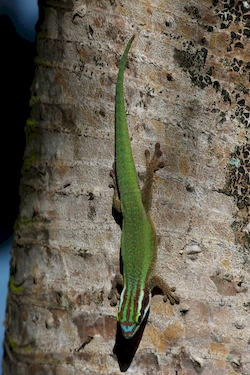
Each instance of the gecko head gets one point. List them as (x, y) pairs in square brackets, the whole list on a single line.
[(133, 308)]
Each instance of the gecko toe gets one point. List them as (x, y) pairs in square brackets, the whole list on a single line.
[(172, 299), (157, 146)]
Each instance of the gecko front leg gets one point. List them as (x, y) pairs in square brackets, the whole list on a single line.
[(158, 282)]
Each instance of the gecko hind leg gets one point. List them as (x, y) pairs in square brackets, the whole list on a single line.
[(152, 165)]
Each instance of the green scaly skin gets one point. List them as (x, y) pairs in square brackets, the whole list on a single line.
[(138, 240)]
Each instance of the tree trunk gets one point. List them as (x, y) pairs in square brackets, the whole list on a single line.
[(186, 86)]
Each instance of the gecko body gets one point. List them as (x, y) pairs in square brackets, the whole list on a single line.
[(138, 239)]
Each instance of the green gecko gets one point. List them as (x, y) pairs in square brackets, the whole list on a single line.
[(138, 239)]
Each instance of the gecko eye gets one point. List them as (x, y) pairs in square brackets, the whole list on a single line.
[(138, 318)]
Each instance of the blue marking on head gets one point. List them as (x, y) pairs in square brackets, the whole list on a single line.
[(127, 329)]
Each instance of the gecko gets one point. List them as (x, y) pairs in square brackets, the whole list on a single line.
[(139, 240)]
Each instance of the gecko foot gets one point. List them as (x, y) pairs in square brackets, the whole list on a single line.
[(116, 199), (168, 293), (117, 285), (171, 296), (154, 164)]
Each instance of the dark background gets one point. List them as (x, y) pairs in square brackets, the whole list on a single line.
[(17, 52), (17, 37)]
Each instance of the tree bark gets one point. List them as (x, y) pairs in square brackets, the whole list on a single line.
[(186, 86)]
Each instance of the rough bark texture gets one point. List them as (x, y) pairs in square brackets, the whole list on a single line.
[(187, 86)]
